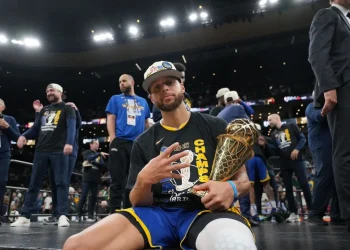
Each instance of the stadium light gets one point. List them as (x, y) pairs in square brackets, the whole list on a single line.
[(204, 15), (133, 30), (273, 1), (263, 2), (169, 22), (193, 17), (101, 37), (3, 39), (31, 43)]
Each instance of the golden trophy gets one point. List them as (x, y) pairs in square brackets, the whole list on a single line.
[(233, 149)]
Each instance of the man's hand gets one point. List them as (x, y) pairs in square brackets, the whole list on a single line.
[(104, 155), (160, 167), (68, 149), (4, 124), (294, 154), (21, 141), (330, 101), (37, 106), (220, 196), (72, 105)]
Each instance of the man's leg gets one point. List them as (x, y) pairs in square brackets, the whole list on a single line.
[(93, 198), (323, 184), (287, 175), (300, 172), (82, 200), (118, 163), (224, 229), (4, 173), (251, 167), (71, 165), (114, 232), (339, 122), (59, 166), (126, 201), (39, 170)]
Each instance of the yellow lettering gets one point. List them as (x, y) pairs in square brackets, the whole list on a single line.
[(202, 164), (57, 117), (202, 171), (201, 157), (199, 142), (204, 178), (200, 150)]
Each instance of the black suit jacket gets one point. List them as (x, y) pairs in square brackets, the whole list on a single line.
[(329, 51)]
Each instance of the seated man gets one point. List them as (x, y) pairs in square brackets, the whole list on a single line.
[(167, 160)]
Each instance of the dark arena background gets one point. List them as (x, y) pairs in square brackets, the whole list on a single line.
[(258, 48)]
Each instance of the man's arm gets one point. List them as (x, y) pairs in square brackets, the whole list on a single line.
[(78, 119), (33, 132), (242, 181), (111, 126), (321, 36), (12, 131), (71, 125), (246, 107), (141, 192), (315, 115), (300, 137)]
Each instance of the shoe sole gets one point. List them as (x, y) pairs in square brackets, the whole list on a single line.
[(23, 225)]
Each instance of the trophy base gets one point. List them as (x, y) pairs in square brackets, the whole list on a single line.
[(200, 194)]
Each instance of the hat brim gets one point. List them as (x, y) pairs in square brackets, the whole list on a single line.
[(151, 79)]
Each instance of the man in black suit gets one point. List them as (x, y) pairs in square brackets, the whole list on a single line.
[(329, 55)]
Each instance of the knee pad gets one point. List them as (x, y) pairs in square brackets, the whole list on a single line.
[(225, 234)]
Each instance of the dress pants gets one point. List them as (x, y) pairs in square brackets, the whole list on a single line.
[(86, 187), (297, 167), (324, 186), (4, 173), (119, 165), (339, 124), (58, 164)]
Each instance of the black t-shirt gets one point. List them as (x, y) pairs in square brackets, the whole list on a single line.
[(286, 139), (53, 127), (216, 110), (198, 136), (92, 174)]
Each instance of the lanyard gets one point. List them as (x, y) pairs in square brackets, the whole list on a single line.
[(135, 107)]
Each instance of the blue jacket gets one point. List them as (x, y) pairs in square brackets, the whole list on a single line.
[(11, 133), (318, 131), (235, 111)]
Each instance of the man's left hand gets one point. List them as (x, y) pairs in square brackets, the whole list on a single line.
[(68, 149), (4, 124), (294, 154), (220, 196)]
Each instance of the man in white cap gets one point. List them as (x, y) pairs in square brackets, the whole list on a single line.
[(235, 108), (55, 129), (170, 158), (221, 102)]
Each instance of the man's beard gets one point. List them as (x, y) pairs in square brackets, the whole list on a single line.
[(171, 106), (53, 100), (126, 90)]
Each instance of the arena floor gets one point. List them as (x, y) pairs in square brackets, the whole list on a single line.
[(269, 236)]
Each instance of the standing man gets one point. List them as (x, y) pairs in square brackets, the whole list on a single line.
[(329, 56), (8, 132), (127, 118), (55, 128), (235, 108), (71, 160), (320, 144), (157, 116), (289, 140), (221, 102), (93, 166)]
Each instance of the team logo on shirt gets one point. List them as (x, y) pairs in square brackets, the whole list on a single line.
[(50, 120), (283, 139), (196, 172)]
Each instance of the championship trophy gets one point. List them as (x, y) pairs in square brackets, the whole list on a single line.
[(233, 149)]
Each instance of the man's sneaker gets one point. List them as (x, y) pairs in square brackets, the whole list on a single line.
[(90, 220), (276, 215), (51, 221), (21, 222), (63, 221), (293, 218), (315, 220)]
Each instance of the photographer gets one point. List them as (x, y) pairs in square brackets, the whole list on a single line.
[(8, 132)]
